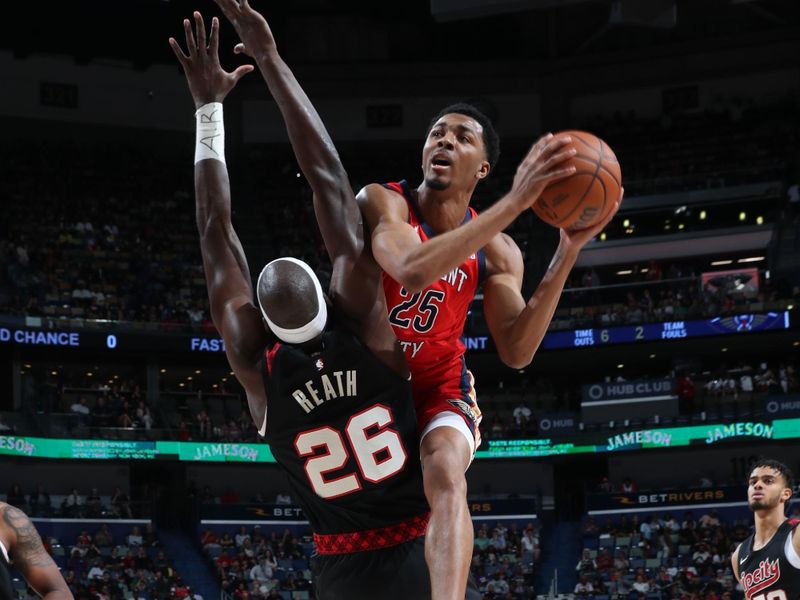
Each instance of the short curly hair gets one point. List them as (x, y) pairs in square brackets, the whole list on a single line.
[(491, 141)]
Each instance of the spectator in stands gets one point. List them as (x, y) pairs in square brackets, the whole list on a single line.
[(103, 538), (621, 561), (94, 505), (586, 564), (81, 408), (39, 502), (641, 585), (241, 536), (203, 425), (584, 587), (701, 557), (629, 485), (590, 528), (482, 538), (604, 562), (648, 528), (709, 520), (498, 539), (121, 503), (283, 498), (209, 540), (135, 537), (73, 504)]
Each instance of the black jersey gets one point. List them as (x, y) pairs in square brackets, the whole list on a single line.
[(773, 572), (6, 589), (342, 424)]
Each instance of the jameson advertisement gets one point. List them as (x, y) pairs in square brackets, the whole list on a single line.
[(578, 443)]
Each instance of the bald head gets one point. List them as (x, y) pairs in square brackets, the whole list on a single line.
[(291, 300)]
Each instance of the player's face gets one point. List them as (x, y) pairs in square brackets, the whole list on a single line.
[(454, 154), (766, 489)]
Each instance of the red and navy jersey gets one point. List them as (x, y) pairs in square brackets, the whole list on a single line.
[(773, 572), (429, 324), (342, 425)]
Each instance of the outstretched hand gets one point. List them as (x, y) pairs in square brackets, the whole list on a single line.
[(252, 27), (543, 165), (578, 238), (208, 81)]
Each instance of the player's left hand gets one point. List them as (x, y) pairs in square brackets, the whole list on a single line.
[(578, 238), (208, 81), (257, 39)]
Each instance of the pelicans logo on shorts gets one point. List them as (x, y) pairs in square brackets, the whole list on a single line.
[(468, 410)]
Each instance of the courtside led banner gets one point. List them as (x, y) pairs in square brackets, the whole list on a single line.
[(577, 443)]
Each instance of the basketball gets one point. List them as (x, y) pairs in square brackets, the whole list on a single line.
[(584, 198)]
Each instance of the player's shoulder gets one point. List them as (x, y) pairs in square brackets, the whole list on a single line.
[(385, 199)]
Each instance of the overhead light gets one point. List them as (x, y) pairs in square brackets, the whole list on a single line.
[(603, 237), (681, 225), (181, 384), (624, 272), (163, 370), (27, 366), (750, 259), (53, 372), (719, 263), (620, 365), (626, 223), (790, 307), (702, 215), (215, 385), (189, 378), (224, 379), (652, 356), (742, 216), (796, 344), (231, 373), (197, 372), (645, 270), (680, 209), (88, 373), (520, 370), (724, 350), (759, 220), (667, 227)]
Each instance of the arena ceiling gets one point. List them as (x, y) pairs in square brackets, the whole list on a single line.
[(358, 31)]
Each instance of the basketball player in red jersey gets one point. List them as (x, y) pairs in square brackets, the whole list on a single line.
[(767, 564), (434, 250)]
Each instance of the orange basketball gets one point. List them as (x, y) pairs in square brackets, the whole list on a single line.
[(585, 197)]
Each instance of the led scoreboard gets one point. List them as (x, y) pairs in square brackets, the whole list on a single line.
[(669, 330), (122, 341)]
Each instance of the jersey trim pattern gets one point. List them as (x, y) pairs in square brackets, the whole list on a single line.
[(372, 539)]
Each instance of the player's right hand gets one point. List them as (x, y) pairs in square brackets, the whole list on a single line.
[(542, 166), (208, 81), (253, 30)]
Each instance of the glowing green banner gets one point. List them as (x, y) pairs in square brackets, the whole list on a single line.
[(618, 441)]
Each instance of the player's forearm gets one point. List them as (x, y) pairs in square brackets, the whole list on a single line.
[(425, 263), (523, 337), (312, 145), (213, 216), (212, 194)]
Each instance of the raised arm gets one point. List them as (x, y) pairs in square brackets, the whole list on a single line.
[(230, 291), (29, 556), (338, 216), (518, 327), (415, 265)]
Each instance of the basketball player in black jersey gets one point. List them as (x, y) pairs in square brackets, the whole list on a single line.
[(767, 564), (328, 389), (21, 546)]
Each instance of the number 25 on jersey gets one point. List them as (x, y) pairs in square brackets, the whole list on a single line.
[(379, 456)]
